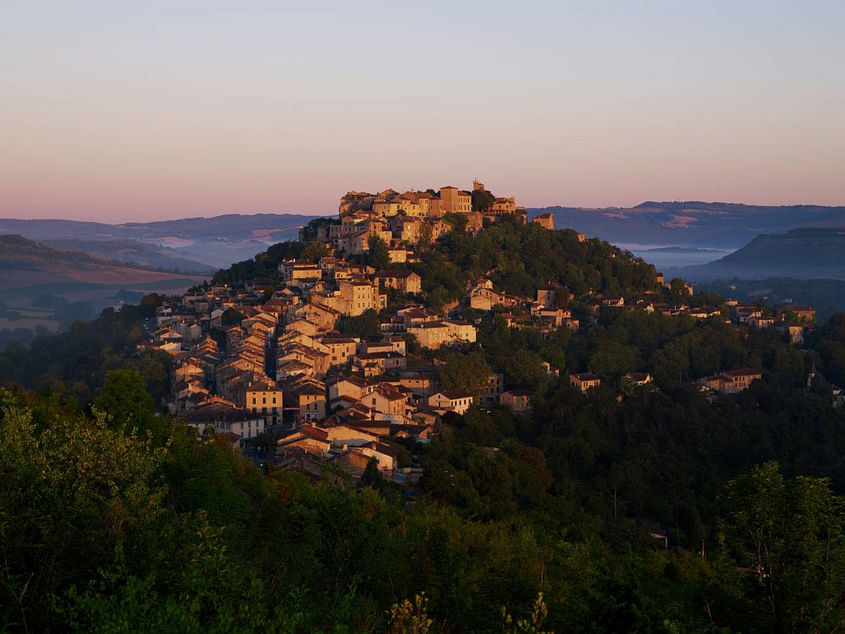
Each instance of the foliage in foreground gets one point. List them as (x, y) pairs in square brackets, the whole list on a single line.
[(111, 524)]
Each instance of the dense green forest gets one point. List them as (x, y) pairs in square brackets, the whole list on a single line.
[(119, 520), (115, 518), (520, 258)]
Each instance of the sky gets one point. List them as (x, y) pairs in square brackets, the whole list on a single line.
[(130, 111)]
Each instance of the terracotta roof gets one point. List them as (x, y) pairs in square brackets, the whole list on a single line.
[(431, 324), (455, 394), (354, 379), (313, 432), (390, 393)]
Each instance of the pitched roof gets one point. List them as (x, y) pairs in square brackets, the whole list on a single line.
[(741, 372), (390, 393), (387, 449), (303, 431), (353, 379), (430, 324), (329, 340), (264, 386), (585, 376), (457, 322), (309, 389), (455, 394)]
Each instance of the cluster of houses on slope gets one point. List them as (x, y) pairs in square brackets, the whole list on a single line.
[(283, 361), (544, 312), (406, 219), (270, 355), (727, 382), (247, 360), (791, 321)]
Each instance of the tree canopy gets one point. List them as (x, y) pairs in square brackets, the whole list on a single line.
[(378, 256)]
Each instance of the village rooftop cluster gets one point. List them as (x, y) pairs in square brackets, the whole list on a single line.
[(279, 363)]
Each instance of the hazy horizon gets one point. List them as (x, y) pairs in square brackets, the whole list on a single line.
[(333, 213), (171, 110)]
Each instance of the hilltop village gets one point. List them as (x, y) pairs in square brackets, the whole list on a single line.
[(336, 357)]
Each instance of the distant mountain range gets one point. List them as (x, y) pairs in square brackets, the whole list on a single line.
[(691, 223), (809, 253), (665, 233), (191, 244)]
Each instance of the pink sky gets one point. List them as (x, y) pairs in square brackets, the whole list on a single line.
[(155, 113)]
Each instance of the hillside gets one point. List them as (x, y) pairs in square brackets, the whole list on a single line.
[(215, 242), (21, 259), (805, 253), (520, 258), (134, 252), (517, 257), (692, 223)]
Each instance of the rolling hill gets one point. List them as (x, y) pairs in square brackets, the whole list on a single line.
[(134, 252), (692, 223), (807, 253), (36, 280)]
